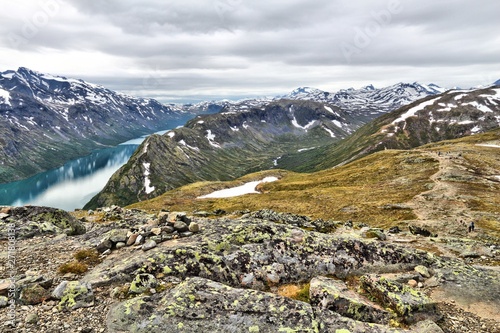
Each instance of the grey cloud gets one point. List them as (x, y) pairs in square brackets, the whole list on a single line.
[(230, 45)]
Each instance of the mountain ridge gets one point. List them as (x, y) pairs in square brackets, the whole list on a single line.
[(47, 120)]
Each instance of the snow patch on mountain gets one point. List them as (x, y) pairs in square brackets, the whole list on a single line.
[(411, 112), (329, 131), (329, 109), (211, 137), (147, 182), (247, 188), (478, 106), (5, 95)]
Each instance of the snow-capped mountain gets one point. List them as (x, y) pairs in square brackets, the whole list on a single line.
[(368, 100), (46, 120)]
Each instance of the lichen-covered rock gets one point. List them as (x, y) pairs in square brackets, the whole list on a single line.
[(374, 233), (31, 221), (74, 295), (143, 283), (422, 270), (334, 295), (427, 326), (332, 322), (117, 235), (229, 250), (200, 305), (407, 302)]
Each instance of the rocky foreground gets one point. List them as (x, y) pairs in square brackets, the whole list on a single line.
[(117, 270)]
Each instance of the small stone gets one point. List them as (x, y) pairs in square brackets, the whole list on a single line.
[(118, 235), (181, 226), (150, 244), (139, 240), (105, 253), (163, 217), (34, 294), (120, 245), (186, 234), (167, 229), (4, 301), (31, 318), (422, 270), (194, 227), (420, 285), (412, 283), (156, 231), (132, 238), (105, 244)]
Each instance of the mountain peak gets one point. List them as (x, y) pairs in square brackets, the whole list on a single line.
[(497, 83)]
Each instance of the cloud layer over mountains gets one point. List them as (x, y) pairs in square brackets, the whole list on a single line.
[(231, 48)]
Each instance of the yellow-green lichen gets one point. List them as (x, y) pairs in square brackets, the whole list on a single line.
[(253, 329)]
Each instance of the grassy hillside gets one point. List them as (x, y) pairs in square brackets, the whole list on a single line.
[(379, 189)]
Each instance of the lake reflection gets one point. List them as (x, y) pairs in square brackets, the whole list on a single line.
[(72, 185)]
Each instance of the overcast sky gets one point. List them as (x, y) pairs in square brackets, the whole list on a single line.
[(183, 50)]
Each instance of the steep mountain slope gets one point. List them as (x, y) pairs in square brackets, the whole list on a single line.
[(46, 120), (225, 146), (450, 115)]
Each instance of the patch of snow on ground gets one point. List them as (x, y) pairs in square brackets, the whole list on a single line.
[(147, 182), (171, 134), (476, 129), (414, 110), (234, 129), (446, 107), (329, 131), (5, 95), (327, 108), (306, 127), (480, 107), (200, 122), (337, 123), (488, 145), (306, 149), (246, 188), (275, 162), (211, 137), (459, 97)]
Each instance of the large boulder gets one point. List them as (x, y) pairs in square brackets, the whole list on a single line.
[(410, 304), (200, 305), (334, 295), (31, 221)]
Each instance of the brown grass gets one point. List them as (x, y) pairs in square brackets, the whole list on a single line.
[(357, 191)]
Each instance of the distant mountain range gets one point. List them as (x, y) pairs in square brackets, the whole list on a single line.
[(47, 120), (252, 135)]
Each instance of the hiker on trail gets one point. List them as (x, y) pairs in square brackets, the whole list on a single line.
[(471, 226)]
